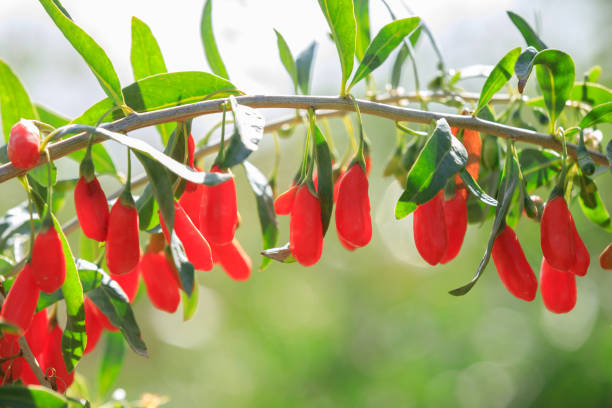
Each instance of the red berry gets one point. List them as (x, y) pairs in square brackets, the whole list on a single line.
[(20, 303), (234, 260), (556, 235), (91, 208), (196, 247), (305, 228), (12, 368), (160, 282), (512, 266), (346, 244), (429, 228), (219, 213), (24, 144), (353, 220), (53, 362), (455, 217), (582, 258), (191, 201), (129, 282), (284, 202), (36, 335), (122, 245), (337, 184), (48, 261), (93, 325), (558, 288)]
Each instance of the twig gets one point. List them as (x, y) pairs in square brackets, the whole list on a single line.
[(29, 357)]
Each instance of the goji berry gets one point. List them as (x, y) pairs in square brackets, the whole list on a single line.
[(558, 288), (353, 221), (191, 201), (93, 325), (20, 303), (284, 202), (11, 368), (160, 282), (305, 228), (582, 257), (605, 258), (347, 245), (233, 259), (429, 228), (219, 214), (91, 208), (129, 282), (512, 266), (24, 144), (196, 247), (48, 261), (36, 336), (556, 235), (337, 183), (52, 361), (122, 245), (455, 217)]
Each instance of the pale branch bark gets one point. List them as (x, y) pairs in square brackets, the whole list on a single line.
[(395, 113), (31, 360)]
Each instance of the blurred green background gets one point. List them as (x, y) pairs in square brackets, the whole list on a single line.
[(371, 328)]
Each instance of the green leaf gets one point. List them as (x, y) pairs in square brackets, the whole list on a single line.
[(555, 73), (505, 194), (501, 74), (111, 362), (287, 58), (14, 100), (15, 222), (50, 117), (396, 72), (442, 157), (248, 133), (609, 153), (475, 189), (74, 338), (362, 18), (325, 183), (265, 208), (147, 210), (387, 39), (92, 53), (210, 46), (538, 167), (186, 271), (41, 174), (588, 92), (523, 66), (528, 33), (162, 91), (33, 396), (586, 163), (280, 254), (161, 187), (303, 64), (591, 204), (599, 114), (341, 20), (592, 75), (190, 303)]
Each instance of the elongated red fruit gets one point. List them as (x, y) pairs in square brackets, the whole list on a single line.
[(337, 184), (605, 258), (20, 303), (48, 262), (196, 247), (161, 285), (219, 214), (582, 257), (122, 245), (93, 325), (284, 202), (430, 236), (91, 208), (233, 259), (353, 220), (512, 266), (129, 282), (12, 367), (36, 336), (53, 361), (558, 288), (347, 245), (305, 228), (556, 235), (455, 217), (24, 144), (191, 201)]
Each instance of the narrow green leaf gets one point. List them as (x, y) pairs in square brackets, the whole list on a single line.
[(325, 183), (92, 53), (592, 75), (33, 396), (500, 75), (161, 187), (590, 93), (341, 20), (210, 46), (387, 39), (528, 33), (147, 210), (14, 100), (111, 362), (40, 174), (190, 303), (186, 271), (287, 59), (280, 254), (48, 116), (162, 91), (538, 167), (523, 66), (362, 18), (265, 208), (475, 189), (74, 338), (591, 204), (248, 133), (599, 114), (442, 157), (303, 64), (396, 72), (89, 249), (555, 72), (15, 222)]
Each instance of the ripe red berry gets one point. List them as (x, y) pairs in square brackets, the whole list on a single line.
[(93, 325), (11, 368), (48, 261), (582, 257), (455, 217), (129, 282), (24, 144), (512, 266), (196, 247), (337, 183), (234, 260), (429, 228), (53, 362), (353, 220), (473, 145), (284, 202), (160, 281), (305, 228), (558, 288), (122, 245), (347, 245), (20, 303), (556, 235), (91, 208), (219, 213), (36, 336), (191, 201)]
